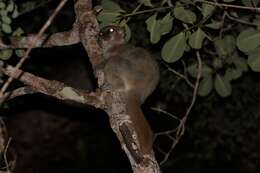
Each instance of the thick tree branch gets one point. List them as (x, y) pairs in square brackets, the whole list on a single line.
[(119, 120), (56, 89), (88, 30), (122, 125), (57, 39)]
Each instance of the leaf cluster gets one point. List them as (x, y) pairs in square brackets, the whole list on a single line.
[(8, 12), (228, 39)]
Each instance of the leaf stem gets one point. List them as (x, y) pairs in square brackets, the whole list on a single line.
[(228, 5), (146, 11)]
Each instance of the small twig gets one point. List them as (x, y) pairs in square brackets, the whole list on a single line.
[(169, 2), (229, 5), (230, 26), (134, 11), (34, 41), (166, 157), (160, 150), (146, 11), (223, 24), (165, 112), (5, 155), (181, 128), (240, 20), (167, 132), (195, 91), (180, 75), (185, 72)]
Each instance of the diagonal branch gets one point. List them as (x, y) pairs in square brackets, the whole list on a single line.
[(65, 38), (56, 89), (34, 41), (228, 5)]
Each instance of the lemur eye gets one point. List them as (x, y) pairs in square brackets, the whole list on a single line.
[(111, 30)]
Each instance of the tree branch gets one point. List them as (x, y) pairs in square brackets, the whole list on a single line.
[(228, 5), (34, 41), (88, 33), (179, 131), (55, 89), (65, 38), (88, 30)]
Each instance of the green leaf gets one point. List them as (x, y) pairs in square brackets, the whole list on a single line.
[(15, 12), (217, 63), (166, 24), (256, 21), (110, 13), (193, 70), (157, 28), (197, 38), (3, 12), (248, 40), (154, 28), (10, 6), (6, 28), (254, 61), (6, 54), (207, 9), (106, 18), (174, 48), (230, 43), (232, 74), (205, 86), (6, 20), (214, 24), (127, 32), (240, 63), (146, 2), (254, 51), (111, 6), (220, 47), (225, 46), (123, 23), (18, 32), (184, 15), (222, 86), (2, 5), (20, 52)]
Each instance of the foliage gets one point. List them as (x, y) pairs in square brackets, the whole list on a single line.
[(228, 42), (8, 12), (226, 38)]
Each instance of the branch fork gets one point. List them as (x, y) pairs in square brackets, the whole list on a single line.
[(85, 30)]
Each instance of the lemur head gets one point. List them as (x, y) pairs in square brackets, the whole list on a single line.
[(111, 35)]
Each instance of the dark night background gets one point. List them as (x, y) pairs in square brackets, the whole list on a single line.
[(222, 134)]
